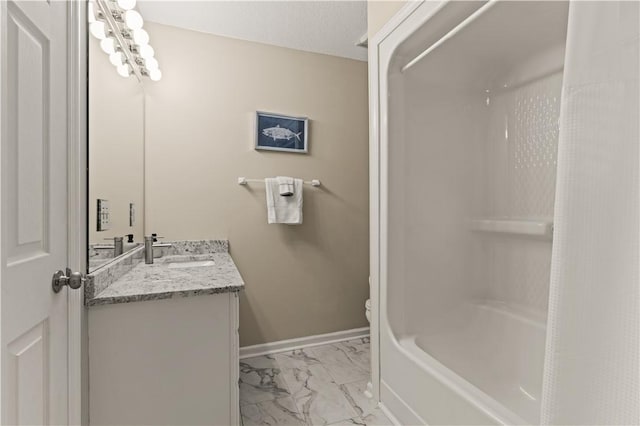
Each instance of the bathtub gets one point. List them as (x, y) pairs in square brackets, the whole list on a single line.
[(505, 369), (467, 105), (487, 369)]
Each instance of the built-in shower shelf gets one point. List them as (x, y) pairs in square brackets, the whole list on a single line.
[(530, 227)]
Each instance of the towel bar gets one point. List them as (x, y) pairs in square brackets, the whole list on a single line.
[(244, 181)]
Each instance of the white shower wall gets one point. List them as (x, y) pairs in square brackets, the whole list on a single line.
[(472, 157), (521, 160), (469, 156), (433, 174)]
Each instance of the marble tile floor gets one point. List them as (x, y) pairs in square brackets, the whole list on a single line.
[(321, 385)]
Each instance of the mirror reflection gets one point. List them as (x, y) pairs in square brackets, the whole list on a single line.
[(116, 160)]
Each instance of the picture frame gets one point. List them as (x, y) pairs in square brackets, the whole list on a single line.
[(278, 132)]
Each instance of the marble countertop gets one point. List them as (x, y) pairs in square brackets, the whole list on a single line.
[(160, 281)]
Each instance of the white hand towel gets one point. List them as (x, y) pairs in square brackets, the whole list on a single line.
[(283, 209), (285, 185)]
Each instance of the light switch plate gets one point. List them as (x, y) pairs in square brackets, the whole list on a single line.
[(103, 222)]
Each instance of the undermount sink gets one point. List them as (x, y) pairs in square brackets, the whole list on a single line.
[(191, 264)]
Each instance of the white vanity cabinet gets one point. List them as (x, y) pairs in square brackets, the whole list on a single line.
[(165, 362)]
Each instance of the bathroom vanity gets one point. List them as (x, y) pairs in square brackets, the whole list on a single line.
[(163, 338)]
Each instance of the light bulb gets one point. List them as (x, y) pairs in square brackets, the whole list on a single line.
[(126, 4), (155, 75), (140, 37), (98, 30), (91, 15), (124, 70), (116, 58), (145, 51), (108, 45), (151, 64), (133, 19)]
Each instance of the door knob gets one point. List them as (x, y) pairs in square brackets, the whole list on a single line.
[(73, 279)]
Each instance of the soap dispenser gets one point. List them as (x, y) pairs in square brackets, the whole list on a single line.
[(129, 243)]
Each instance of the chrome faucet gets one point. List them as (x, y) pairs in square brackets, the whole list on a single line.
[(118, 246), (149, 243)]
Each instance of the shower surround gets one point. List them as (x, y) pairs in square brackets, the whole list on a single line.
[(468, 171), (505, 213)]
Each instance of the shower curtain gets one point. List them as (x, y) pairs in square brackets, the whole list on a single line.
[(592, 373)]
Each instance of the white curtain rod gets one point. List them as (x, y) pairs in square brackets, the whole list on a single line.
[(450, 34)]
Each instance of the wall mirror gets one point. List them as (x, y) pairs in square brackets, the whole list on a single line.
[(116, 160)]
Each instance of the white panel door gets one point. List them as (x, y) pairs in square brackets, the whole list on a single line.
[(34, 211)]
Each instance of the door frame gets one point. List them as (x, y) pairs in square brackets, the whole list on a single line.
[(77, 161), (77, 200)]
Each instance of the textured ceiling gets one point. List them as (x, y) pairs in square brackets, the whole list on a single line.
[(330, 27)]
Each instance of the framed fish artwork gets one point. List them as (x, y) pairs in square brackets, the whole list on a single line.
[(276, 132)]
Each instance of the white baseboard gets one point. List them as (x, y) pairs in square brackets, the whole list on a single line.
[(302, 342)]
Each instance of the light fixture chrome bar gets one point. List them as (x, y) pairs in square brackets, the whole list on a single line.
[(115, 30), (450, 34)]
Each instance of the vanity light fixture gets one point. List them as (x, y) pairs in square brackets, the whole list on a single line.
[(140, 37), (133, 19), (98, 29), (126, 4), (118, 26), (124, 70), (108, 45), (145, 51)]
